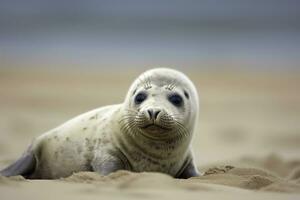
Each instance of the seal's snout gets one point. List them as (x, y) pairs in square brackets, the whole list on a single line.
[(153, 114), (154, 120)]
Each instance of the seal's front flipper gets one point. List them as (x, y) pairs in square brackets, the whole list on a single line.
[(189, 171), (109, 164), (24, 166)]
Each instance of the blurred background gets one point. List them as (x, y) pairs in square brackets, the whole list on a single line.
[(60, 58), (114, 33)]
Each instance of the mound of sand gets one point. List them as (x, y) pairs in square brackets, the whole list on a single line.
[(226, 182), (245, 178), (249, 178)]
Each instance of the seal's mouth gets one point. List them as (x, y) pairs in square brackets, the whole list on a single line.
[(155, 128)]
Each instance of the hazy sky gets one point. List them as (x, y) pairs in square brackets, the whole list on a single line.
[(142, 33)]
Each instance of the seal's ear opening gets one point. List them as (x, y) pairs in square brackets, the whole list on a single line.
[(24, 166)]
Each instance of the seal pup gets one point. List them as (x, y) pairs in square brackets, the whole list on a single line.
[(151, 131)]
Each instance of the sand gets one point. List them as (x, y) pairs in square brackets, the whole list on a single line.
[(247, 144)]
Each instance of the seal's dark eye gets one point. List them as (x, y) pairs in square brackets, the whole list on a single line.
[(140, 97), (176, 100)]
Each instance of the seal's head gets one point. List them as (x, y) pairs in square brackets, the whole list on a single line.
[(161, 104)]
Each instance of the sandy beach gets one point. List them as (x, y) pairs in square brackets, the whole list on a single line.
[(247, 142)]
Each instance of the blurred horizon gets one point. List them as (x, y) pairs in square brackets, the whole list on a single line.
[(132, 34)]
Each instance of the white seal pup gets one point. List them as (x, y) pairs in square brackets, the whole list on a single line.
[(150, 131)]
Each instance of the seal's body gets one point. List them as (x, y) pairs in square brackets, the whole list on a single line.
[(150, 131)]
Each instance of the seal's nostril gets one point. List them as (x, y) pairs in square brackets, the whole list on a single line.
[(153, 114), (156, 113), (150, 112)]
